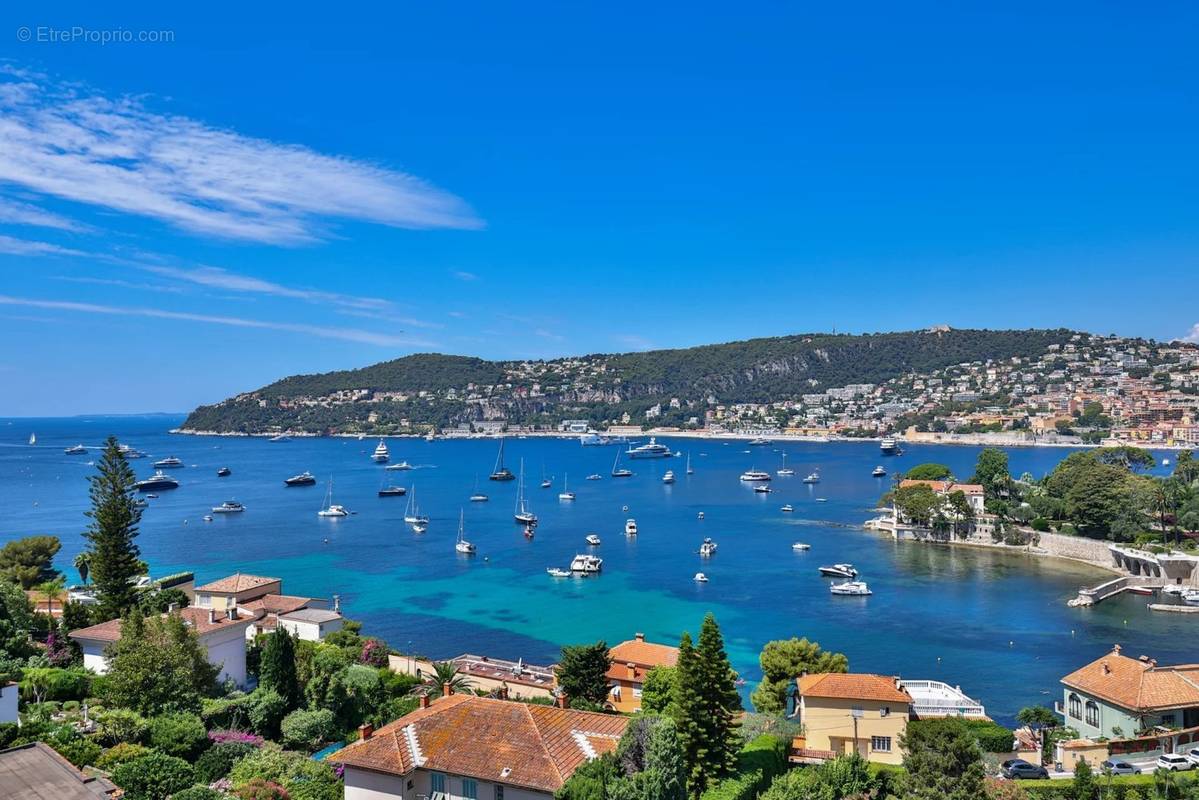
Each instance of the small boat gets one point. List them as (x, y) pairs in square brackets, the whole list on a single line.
[(651, 450), (478, 497), (754, 475), (787, 509), (700, 515), (522, 514), (392, 491), (668, 477), (1141, 590), (282, 437), (152, 496), (558, 572), (762, 488), (170, 462), (630, 527), (707, 548), (813, 477), (1175, 589), (801, 546), (76, 450), (690, 471), (461, 545), (700, 578), (140, 503), (821, 499), (785, 471), (594, 477), (529, 532), (224, 472), (565, 494), (1165, 462), (229, 507), (305, 478), (403, 465), (207, 517), (420, 527), (159, 480), (1191, 597), (500, 472), (851, 589), (586, 564), (839, 571), (619, 471), (879, 472), (381, 453), (331, 509), (759, 441), (593, 540)]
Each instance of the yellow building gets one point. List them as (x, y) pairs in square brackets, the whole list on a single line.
[(841, 713), (631, 662)]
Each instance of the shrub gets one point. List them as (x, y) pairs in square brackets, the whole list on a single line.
[(227, 712), (992, 737), (303, 778), (743, 786), (121, 753), (198, 793), (52, 683), (154, 776), (1040, 524), (76, 749), (122, 725), (241, 737), (308, 730), (218, 760), (266, 712), (181, 734), (758, 763), (374, 653), (70, 705), (259, 789)]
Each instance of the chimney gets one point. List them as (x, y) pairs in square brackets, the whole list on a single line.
[(173, 608), (639, 636), (231, 612), (446, 690), (563, 701), (898, 683), (424, 701), (1116, 649), (212, 616), (337, 603), (503, 690), (1106, 668), (366, 731), (631, 670)]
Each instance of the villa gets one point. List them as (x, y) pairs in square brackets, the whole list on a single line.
[(500, 677), (843, 713), (631, 662), (262, 598), (1118, 697), (465, 747), (223, 636)]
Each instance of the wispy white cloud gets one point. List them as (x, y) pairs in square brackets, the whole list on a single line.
[(635, 342), (547, 334), (345, 334), (456, 314), (18, 213), (217, 278), (1193, 334), (61, 140), (28, 247), (463, 275)]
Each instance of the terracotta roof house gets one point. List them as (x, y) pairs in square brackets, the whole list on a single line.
[(236, 589), (263, 598), (1116, 696), (465, 747), (844, 713), (36, 772), (631, 661), (223, 636)]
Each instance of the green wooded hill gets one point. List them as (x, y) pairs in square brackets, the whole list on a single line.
[(600, 387)]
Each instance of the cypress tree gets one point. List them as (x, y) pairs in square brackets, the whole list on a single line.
[(708, 703), (112, 554), (277, 670)]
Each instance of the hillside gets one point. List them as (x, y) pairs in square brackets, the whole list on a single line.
[(672, 386)]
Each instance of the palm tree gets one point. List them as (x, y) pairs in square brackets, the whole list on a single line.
[(83, 563), (52, 589), (445, 673)]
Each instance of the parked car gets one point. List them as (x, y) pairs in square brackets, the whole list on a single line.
[(1175, 762), (1193, 755), (1019, 769), (1119, 768)]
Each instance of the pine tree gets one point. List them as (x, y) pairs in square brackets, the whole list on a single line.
[(708, 703), (113, 556), (277, 670)]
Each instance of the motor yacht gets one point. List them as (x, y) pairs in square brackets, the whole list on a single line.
[(839, 571), (707, 548), (282, 437), (888, 446), (851, 588), (668, 477), (700, 515), (392, 491), (170, 462), (762, 488), (788, 508), (305, 478), (229, 507), (558, 572), (801, 546), (752, 475), (651, 449), (689, 470), (586, 564), (813, 477), (159, 480), (1178, 590), (630, 527), (130, 452), (593, 540), (224, 472), (594, 477), (759, 441), (403, 465), (381, 453), (478, 497), (207, 517), (879, 472), (700, 578), (76, 450)]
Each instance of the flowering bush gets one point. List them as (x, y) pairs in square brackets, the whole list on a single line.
[(242, 737), (374, 653), (259, 789)]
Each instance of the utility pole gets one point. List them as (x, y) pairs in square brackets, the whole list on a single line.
[(856, 714)]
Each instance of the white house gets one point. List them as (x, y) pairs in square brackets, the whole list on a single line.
[(465, 747), (8, 702), (311, 624), (223, 636)]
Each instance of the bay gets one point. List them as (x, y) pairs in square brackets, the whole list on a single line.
[(994, 623)]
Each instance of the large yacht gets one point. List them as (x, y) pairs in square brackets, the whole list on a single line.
[(755, 475), (381, 453), (649, 450), (159, 480), (76, 450), (500, 472), (586, 564), (168, 463), (888, 445), (305, 478), (229, 507)]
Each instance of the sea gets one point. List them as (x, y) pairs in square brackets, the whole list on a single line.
[(994, 623)]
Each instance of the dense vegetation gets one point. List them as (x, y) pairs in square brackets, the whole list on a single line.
[(602, 387)]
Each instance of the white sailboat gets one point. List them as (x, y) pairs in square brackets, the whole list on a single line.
[(785, 470), (690, 471), (522, 514), (412, 513), (331, 509), (565, 494), (619, 471), (463, 546), (32, 439)]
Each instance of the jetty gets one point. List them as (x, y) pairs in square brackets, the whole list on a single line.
[(1174, 608)]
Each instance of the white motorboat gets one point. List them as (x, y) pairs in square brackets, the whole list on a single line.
[(381, 454), (420, 527), (690, 471), (851, 588), (1191, 597), (879, 472), (401, 466), (565, 494), (754, 475), (281, 437), (801, 546), (229, 507), (759, 441), (478, 497), (630, 527), (586, 564), (762, 488), (522, 514), (668, 477), (303, 479), (594, 477), (785, 471), (593, 540), (1175, 589), (207, 517), (170, 462), (707, 548), (839, 571), (76, 450), (787, 509), (700, 578), (463, 546), (558, 572), (700, 515), (813, 477)]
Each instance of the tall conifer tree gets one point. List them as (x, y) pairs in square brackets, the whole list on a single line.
[(708, 704), (277, 670), (113, 556)]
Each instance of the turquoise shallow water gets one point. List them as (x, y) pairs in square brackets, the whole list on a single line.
[(995, 623)]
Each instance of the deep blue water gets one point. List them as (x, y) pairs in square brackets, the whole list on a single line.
[(995, 623)]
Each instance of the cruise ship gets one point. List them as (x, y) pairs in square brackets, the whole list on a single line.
[(168, 463), (649, 450), (889, 446), (381, 454), (159, 480)]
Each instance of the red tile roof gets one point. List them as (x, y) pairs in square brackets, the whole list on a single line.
[(942, 487), (277, 603), (517, 744), (850, 686), (1136, 684), (196, 618), (643, 656), (236, 583)]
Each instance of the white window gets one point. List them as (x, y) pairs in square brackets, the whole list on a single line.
[(880, 744)]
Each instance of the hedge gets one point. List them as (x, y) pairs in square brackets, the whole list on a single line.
[(758, 764), (1051, 789)]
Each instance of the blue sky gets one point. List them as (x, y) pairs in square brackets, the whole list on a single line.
[(269, 194)]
